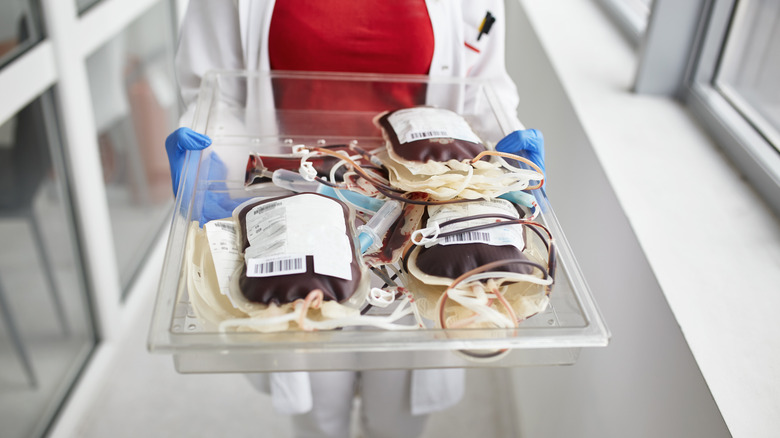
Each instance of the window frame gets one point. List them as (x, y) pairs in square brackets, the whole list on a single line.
[(679, 57), (739, 137), (629, 17)]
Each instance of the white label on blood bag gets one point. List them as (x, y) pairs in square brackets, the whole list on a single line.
[(225, 251), (468, 237), (266, 226), (306, 224), (497, 235), (422, 123), (273, 266)]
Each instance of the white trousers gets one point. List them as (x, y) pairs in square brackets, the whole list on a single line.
[(394, 403), (385, 405), (430, 390)]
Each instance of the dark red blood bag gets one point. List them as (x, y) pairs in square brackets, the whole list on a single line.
[(295, 244), (424, 134)]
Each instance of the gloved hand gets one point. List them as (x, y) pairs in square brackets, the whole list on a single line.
[(177, 144), (217, 203), (527, 143)]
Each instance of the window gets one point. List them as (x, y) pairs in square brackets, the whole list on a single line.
[(60, 291), (733, 86), (630, 15), (84, 5), (722, 58), (749, 71), (46, 327), (135, 105), (19, 28)]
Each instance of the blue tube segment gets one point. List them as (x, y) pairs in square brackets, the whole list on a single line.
[(361, 201), (520, 197), (365, 242)]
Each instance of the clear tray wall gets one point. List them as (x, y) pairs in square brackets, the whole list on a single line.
[(238, 111)]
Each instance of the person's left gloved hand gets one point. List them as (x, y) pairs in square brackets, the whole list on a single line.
[(527, 143), (177, 144)]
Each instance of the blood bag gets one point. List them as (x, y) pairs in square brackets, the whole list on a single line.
[(295, 244), (435, 151), (460, 238), (277, 261), (425, 139)]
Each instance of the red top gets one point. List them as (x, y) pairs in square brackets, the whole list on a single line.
[(361, 36)]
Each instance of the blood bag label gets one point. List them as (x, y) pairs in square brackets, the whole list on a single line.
[(264, 221), (499, 235), (282, 231), (468, 237), (223, 242), (423, 123), (281, 265)]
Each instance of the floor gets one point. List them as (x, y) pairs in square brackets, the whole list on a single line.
[(144, 396), (56, 349)]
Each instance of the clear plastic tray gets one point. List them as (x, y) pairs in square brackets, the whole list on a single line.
[(236, 109)]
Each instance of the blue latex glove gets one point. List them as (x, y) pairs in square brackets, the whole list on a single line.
[(527, 143), (177, 144), (217, 203)]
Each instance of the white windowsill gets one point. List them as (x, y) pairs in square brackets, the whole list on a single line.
[(712, 244)]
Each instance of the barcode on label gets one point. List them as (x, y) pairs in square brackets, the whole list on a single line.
[(260, 209), (277, 266), (225, 226), (468, 237), (427, 134)]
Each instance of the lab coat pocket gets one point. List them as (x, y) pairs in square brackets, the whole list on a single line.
[(473, 45)]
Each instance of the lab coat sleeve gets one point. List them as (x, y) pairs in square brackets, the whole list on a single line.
[(209, 40)]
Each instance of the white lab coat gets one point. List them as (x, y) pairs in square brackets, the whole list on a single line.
[(233, 35)]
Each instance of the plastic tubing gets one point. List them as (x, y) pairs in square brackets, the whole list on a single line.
[(480, 273), (370, 234), (375, 180), (463, 185), (362, 203), (293, 181), (522, 198), (300, 311), (513, 276), (413, 305), (514, 157), (483, 310)]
